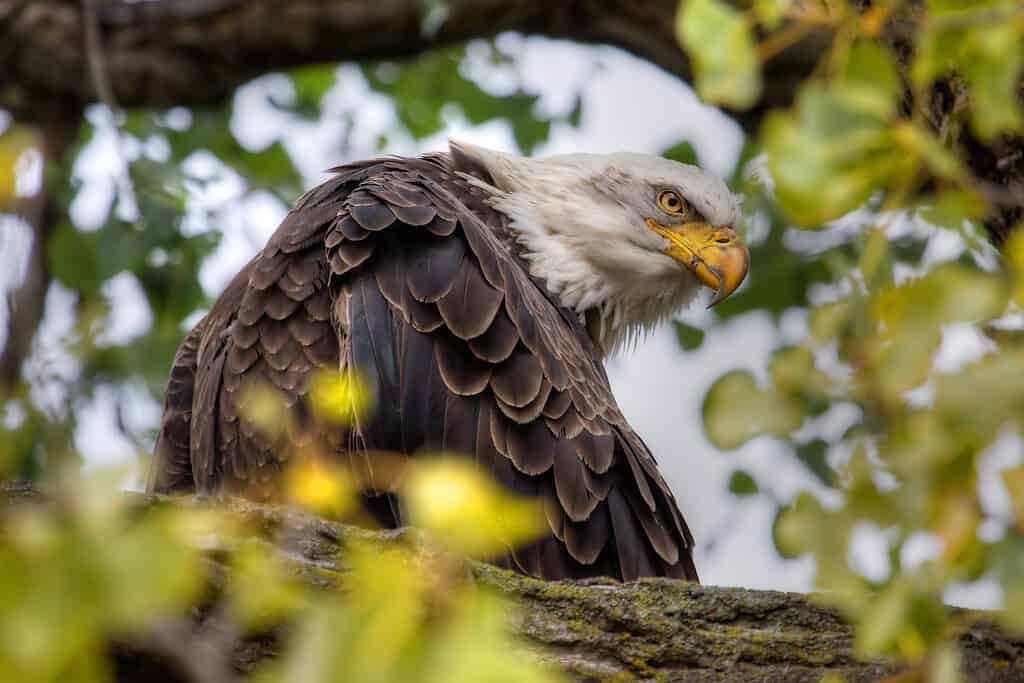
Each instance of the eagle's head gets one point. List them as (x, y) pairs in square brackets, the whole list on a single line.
[(624, 239)]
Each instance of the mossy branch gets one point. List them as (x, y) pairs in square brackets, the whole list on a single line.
[(594, 630)]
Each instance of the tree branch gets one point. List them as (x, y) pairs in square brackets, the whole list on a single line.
[(196, 52), (598, 629)]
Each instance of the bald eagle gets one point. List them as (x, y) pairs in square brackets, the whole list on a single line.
[(479, 291)]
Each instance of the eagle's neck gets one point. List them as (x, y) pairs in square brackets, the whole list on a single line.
[(621, 292), (619, 288)]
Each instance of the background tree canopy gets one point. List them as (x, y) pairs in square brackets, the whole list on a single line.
[(882, 173)]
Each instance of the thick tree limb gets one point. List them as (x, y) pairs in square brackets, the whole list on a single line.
[(594, 630), (196, 52)]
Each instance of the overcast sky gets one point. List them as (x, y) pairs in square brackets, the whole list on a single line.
[(628, 105)]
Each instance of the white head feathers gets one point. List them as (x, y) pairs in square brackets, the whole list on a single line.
[(580, 221)]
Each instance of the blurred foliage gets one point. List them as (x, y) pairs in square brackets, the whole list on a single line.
[(426, 89), (848, 195), (87, 570), (88, 565), (15, 141), (882, 183)]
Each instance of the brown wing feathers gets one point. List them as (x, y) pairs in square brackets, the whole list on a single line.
[(466, 352), (504, 354)]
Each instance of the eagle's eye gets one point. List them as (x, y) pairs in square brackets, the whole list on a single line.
[(671, 202)]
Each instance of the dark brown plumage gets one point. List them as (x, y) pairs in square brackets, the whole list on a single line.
[(397, 267)]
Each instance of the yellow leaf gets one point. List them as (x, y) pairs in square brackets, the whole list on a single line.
[(261, 592), (957, 522), (13, 143), (322, 487), (340, 398), (263, 406), (466, 510)]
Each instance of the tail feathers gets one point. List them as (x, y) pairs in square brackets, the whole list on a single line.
[(172, 466)]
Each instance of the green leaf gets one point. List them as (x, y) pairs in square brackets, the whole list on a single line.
[(839, 146), (950, 293), (952, 208), (814, 454), (72, 259), (683, 152), (806, 526), (575, 117), (994, 76), (721, 44), (783, 544), (742, 484), (869, 81), (876, 267), (689, 337), (311, 83), (885, 618), (960, 38), (270, 168), (736, 410), (424, 88)]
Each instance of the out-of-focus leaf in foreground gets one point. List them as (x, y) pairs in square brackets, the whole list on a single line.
[(86, 572), (466, 511)]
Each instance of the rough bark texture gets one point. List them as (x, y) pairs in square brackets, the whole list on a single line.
[(196, 52), (595, 630)]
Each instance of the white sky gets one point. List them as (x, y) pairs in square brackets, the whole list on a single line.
[(628, 105)]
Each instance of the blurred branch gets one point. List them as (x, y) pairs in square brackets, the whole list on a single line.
[(100, 77), (593, 630), (196, 52), (41, 213), (97, 65)]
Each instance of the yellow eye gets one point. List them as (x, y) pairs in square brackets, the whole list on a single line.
[(671, 202)]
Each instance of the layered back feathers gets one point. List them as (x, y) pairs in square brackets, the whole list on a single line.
[(406, 271)]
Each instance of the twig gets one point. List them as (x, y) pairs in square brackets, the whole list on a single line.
[(101, 83), (784, 39)]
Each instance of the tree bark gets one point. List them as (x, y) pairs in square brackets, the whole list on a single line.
[(196, 52), (593, 630)]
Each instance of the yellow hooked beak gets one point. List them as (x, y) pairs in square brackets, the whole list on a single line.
[(715, 256)]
